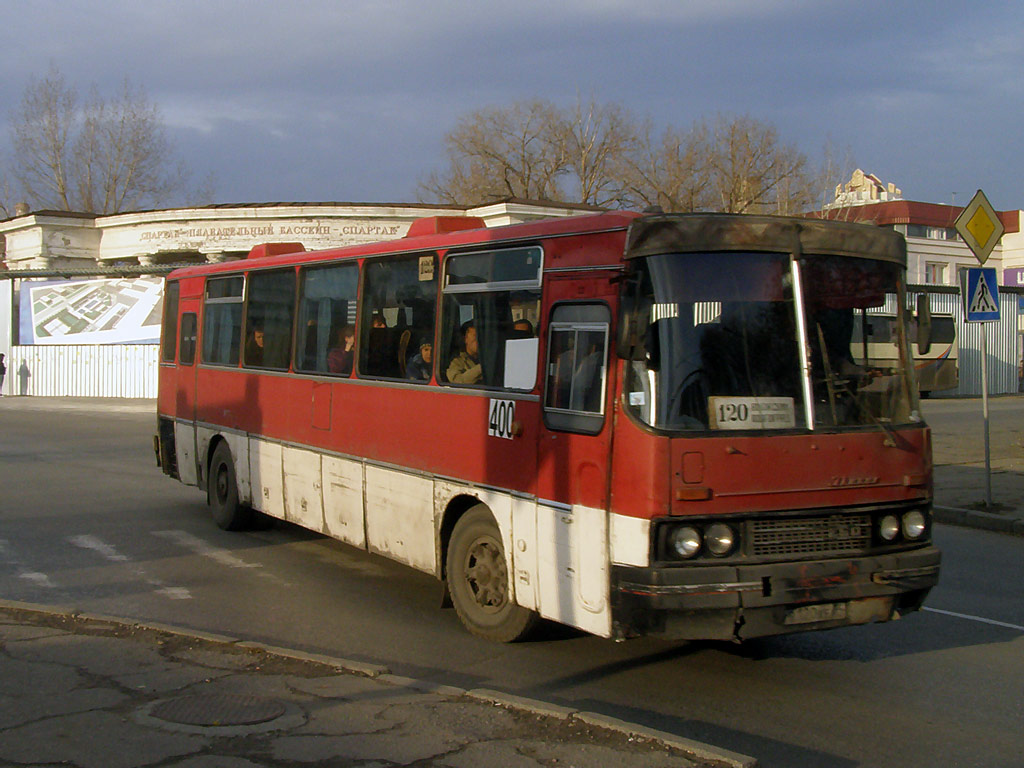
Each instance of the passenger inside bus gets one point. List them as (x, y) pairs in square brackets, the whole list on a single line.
[(465, 368), (341, 355), (254, 347), (522, 329), (420, 366)]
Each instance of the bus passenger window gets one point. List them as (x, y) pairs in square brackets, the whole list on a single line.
[(399, 307), (491, 305), (222, 320), (170, 328), (327, 316), (268, 319), (187, 345)]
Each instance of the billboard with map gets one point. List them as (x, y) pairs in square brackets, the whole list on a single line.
[(121, 311)]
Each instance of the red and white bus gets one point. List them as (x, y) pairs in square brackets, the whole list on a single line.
[(628, 424)]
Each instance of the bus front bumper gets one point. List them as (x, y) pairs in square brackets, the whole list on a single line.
[(741, 602)]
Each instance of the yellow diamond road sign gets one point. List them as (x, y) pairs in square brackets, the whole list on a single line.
[(979, 226)]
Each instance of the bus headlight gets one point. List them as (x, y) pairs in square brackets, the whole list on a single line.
[(889, 527), (684, 541), (914, 524), (719, 539)]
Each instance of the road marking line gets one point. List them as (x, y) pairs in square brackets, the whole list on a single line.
[(205, 549), (109, 552), (201, 547), (37, 578), (975, 618), (105, 550), (174, 593)]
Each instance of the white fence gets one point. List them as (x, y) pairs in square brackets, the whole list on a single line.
[(101, 370)]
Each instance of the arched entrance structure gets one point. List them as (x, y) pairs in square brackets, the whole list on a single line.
[(61, 239)]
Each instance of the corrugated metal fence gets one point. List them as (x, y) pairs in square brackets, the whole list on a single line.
[(83, 370)]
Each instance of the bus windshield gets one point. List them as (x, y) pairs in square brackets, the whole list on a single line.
[(722, 341)]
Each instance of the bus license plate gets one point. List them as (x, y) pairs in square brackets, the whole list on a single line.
[(807, 614)]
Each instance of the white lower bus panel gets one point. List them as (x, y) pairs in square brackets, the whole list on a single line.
[(558, 556)]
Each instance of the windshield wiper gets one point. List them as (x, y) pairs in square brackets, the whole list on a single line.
[(836, 383)]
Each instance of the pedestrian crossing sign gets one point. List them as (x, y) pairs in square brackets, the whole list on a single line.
[(980, 292)]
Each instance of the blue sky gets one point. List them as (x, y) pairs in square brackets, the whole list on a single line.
[(350, 100)]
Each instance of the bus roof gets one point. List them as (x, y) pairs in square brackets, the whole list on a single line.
[(716, 232), (528, 232)]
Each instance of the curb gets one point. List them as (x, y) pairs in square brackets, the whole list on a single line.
[(973, 518), (699, 750)]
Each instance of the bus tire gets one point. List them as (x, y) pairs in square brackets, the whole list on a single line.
[(222, 492), (478, 580)]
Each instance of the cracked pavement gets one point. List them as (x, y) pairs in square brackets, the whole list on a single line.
[(96, 694)]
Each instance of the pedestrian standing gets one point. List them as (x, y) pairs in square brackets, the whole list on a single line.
[(3, 372)]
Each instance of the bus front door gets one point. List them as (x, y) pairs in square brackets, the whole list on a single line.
[(573, 463)]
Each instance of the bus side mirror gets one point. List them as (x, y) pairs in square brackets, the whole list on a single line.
[(924, 324), (628, 344), (652, 347)]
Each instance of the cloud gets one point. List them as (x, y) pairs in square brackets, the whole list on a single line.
[(368, 88)]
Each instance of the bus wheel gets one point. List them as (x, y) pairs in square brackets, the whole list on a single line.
[(478, 580), (222, 492)]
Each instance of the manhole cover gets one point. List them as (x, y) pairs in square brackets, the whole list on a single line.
[(218, 709)]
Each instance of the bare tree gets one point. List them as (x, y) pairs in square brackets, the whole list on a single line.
[(496, 153), (99, 156), (6, 201), (535, 150), (752, 171), (597, 139), (669, 171), (835, 169), (42, 141)]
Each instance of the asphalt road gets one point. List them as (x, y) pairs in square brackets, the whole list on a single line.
[(88, 521)]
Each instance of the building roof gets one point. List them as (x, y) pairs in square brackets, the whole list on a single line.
[(911, 212)]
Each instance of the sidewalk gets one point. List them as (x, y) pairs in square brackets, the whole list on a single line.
[(98, 692), (959, 455), (960, 497)]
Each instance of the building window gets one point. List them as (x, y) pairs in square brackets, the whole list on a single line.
[(935, 273), (930, 233)]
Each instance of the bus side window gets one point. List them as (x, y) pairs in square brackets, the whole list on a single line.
[(577, 367), (268, 319), (399, 307), (491, 306), (222, 320), (187, 345), (170, 329), (327, 316)]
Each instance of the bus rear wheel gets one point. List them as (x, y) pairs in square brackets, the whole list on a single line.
[(222, 492), (478, 580)]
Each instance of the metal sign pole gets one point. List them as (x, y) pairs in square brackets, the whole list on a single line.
[(984, 410), (980, 227)]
